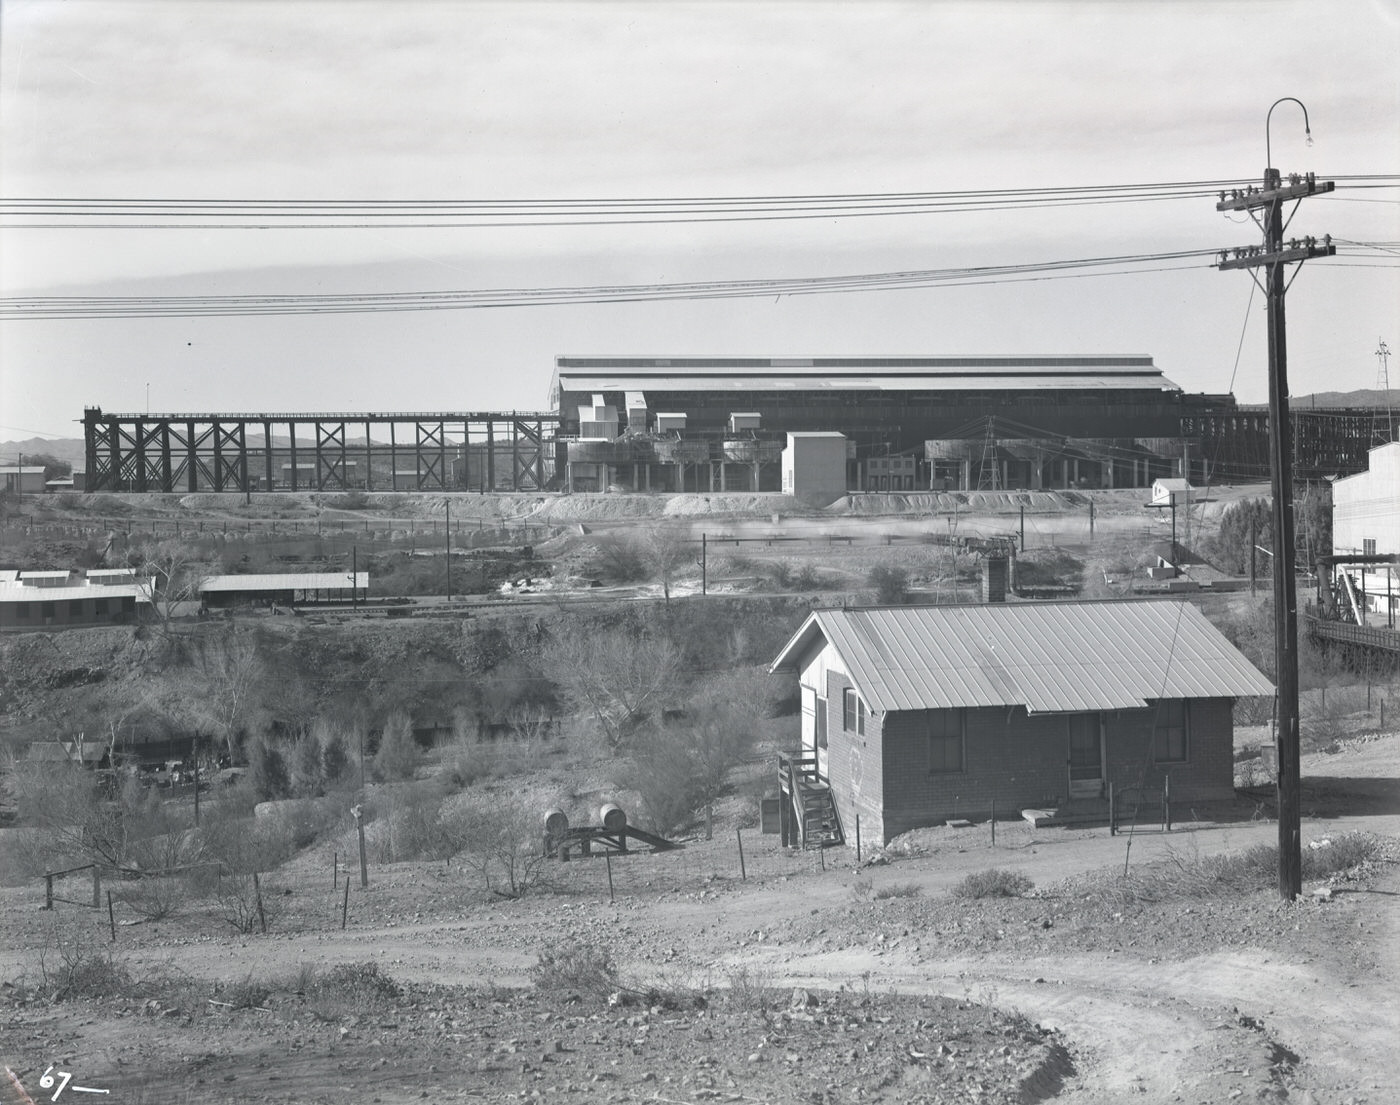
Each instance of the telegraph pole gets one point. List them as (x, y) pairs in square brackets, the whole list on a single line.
[(1273, 256)]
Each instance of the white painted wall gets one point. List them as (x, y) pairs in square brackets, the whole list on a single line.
[(1367, 505)]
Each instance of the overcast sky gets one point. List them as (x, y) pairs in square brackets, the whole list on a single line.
[(458, 100)]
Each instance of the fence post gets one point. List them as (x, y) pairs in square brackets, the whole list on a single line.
[(356, 812), (857, 838), (111, 917), (739, 836), (96, 887), (48, 892), (607, 856), (257, 892), (345, 905)]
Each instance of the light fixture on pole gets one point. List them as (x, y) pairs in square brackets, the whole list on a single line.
[(1274, 256)]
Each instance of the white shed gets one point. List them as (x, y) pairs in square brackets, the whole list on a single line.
[(1172, 491)]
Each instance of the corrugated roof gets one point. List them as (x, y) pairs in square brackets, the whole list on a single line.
[(17, 592), (662, 381), (289, 581), (875, 373), (1047, 657)]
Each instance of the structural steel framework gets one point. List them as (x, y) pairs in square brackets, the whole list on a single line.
[(483, 451), (516, 451)]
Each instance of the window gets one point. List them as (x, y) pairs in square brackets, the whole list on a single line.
[(1368, 546), (852, 712), (1173, 731), (945, 741), (820, 719)]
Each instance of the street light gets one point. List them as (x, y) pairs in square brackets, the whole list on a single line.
[(1273, 258), (1268, 119)]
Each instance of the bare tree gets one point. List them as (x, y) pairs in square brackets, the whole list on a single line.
[(172, 574), (665, 550), (231, 673), (617, 676), (499, 839)]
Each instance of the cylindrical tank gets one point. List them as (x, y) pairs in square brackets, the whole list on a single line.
[(612, 816), (556, 823), (556, 831)]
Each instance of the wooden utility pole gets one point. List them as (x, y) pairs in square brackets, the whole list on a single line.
[(1273, 256)]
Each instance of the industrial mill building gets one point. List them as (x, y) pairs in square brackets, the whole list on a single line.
[(911, 423)]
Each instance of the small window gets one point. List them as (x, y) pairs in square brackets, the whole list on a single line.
[(852, 712), (1368, 546), (945, 741), (1173, 732), (820, 732)]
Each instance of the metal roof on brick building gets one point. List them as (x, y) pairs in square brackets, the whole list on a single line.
[(1048, 657)]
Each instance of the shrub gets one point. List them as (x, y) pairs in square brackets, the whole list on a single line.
[(500, 839), (904, 890), (1341, 853), (994, 883), (71, 967), (398, 754), (891, 584), (335, 759), (267, 772), (750, 991), (416, 828), (155, 897), (248, 993), (573, 968)]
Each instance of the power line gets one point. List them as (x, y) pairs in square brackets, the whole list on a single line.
[(149, 213), (55, 307)]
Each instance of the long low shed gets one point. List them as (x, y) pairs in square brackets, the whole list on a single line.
[(284, 587)]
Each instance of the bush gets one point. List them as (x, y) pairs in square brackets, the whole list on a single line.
[(903, 890), (577, 969), (1342, 853), (267, 772), (891, 584), (995, 883), (71, 967), (501, 839), (155, 897), (416, 828), (398, 754)]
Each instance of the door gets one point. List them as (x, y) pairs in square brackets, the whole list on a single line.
[(1085, 756)]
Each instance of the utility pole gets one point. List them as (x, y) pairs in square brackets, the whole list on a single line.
[(1273, 256), (448, 507)]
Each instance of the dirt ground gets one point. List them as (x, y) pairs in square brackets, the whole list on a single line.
[(776, 977), (802, 978)]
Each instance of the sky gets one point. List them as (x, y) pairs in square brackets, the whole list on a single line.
[(323, 100)]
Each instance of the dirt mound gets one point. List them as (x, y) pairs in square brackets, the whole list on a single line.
[(622, 506), (948, 502)]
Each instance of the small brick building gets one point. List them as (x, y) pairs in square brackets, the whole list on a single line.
[(919, 714)]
